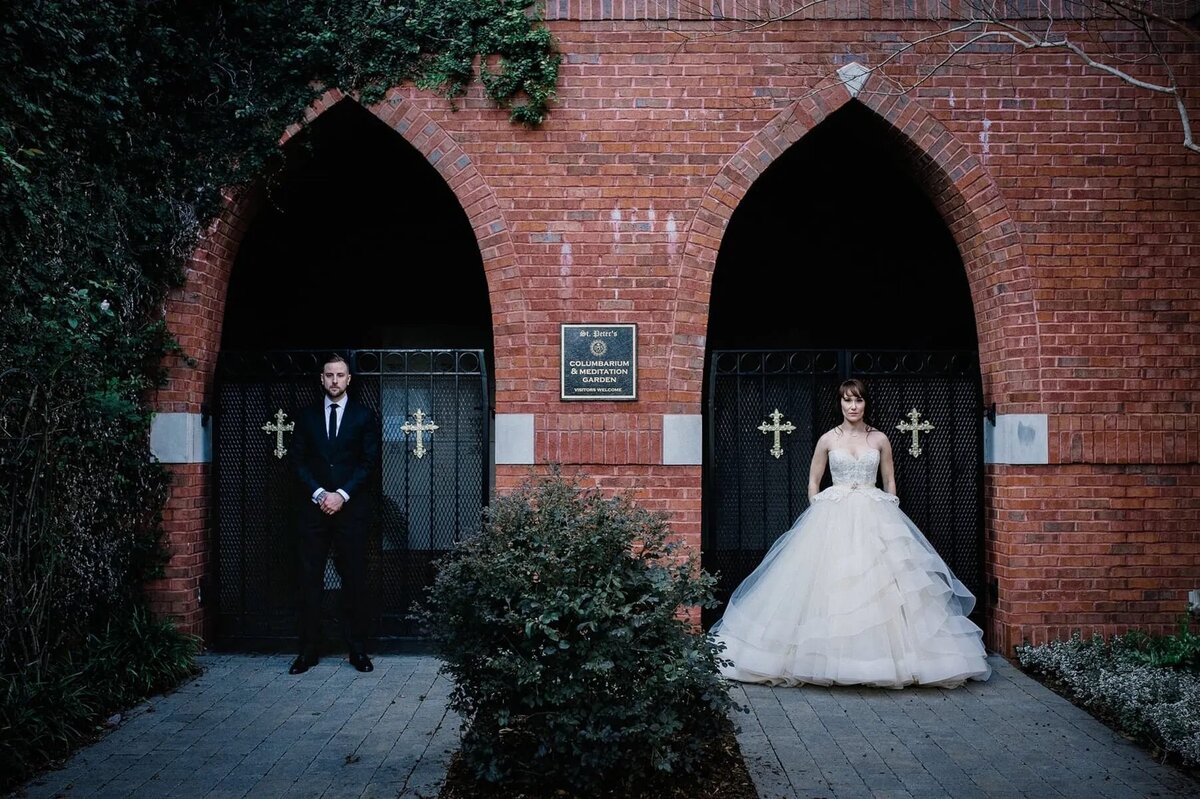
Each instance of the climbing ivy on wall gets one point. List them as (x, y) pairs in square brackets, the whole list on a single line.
[(121, 121)]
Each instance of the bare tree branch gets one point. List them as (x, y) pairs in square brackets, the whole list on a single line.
[(1038, 28)]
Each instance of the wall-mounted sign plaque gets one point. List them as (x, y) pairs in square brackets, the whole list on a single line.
[(599, 362)]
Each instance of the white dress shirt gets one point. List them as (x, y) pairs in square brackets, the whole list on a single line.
[(320, 493)]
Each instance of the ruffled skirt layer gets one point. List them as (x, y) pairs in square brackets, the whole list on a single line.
[(852, 594)]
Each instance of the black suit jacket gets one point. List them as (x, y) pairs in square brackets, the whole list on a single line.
[(347, 462)]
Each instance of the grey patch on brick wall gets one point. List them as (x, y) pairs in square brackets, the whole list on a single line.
[(854, 76), (514, 438), (462, 162), (683, 439), (181, 438), (1017, 438), (545, 238)]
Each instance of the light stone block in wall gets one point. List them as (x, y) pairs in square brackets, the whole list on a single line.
[(1017, 438), (514, 438), (683, 439), (180, 438)]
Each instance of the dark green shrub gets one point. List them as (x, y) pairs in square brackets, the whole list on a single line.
[(572, 665), (122, 122), (44, 716)]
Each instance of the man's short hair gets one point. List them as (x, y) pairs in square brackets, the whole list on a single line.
[(334, 357)]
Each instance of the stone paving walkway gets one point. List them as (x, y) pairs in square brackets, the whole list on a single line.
[(248, 729), (1008, 737)]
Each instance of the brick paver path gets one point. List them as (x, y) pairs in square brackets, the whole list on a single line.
[(1008, 737), (248, 729)]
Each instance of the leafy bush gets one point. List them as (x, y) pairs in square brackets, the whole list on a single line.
[(122, 122), (44, 716), (572, 665), (1115, 679)]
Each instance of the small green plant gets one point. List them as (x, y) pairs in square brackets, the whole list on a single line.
[(560, 625), (1181, 650), (45, 715), (1138, 683)]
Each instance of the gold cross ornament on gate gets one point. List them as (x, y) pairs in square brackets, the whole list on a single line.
[(777, 428), (915, 429), (420, 428), (279, 428)]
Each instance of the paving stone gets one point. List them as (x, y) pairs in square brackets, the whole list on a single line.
[(246, 728), (1008, 737)]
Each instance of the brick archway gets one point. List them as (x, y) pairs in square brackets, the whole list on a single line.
[(961, 190), (196, 311)]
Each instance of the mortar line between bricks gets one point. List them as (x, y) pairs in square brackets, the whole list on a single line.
[(1100, 743), (416, 708), (425, 750), (285, 700), (825, 775), (891, 733), (750, 703), (840, 697), (312, 720), (950, 755), (352, 719), (974, 744)]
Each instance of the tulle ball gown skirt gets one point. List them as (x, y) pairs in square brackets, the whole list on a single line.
[(852, 594)]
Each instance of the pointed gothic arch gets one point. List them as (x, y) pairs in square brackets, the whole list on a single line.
[(960, 188), (195, 314)]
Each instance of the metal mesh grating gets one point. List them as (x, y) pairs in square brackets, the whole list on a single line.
[(422, 504)]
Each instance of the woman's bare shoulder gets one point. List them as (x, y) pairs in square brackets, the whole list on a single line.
[(879, 440)]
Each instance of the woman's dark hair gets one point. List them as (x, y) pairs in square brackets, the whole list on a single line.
[(854, 388)]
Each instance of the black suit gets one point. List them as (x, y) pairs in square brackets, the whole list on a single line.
[(346, 462)]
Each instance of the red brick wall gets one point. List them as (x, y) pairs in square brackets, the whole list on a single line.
[(1072, 202)]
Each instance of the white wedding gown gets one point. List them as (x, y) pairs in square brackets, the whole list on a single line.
[(852, 594)]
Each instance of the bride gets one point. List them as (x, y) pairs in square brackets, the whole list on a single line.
[(852, 594)]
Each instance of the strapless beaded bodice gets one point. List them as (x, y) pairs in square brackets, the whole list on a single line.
[(848, 470)]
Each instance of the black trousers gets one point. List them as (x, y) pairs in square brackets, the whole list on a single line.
[(346, 534)]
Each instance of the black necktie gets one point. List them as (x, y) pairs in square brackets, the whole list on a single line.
[(333, 421)]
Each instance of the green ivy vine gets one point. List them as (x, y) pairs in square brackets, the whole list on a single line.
[(121, 121)]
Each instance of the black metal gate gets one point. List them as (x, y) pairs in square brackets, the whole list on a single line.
[(428, 493), (752, 495)]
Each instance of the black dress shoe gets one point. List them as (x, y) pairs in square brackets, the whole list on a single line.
[(360, 661), (303, 663)]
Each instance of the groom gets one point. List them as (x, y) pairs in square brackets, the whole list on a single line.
[(334, 452)]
